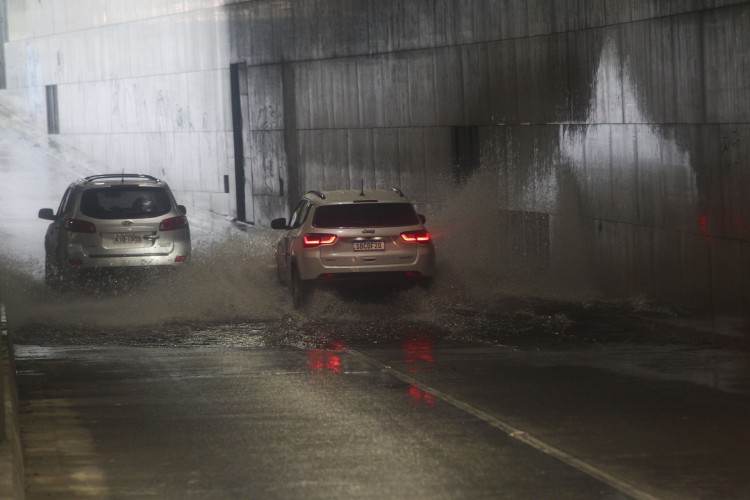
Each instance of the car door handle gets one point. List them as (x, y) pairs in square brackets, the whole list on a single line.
[(151, 237)]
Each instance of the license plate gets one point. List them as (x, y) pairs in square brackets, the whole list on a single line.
[(124, 238), (364, 246)]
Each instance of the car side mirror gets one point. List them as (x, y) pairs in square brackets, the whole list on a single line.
[(47, 214), (279, 223), (422, 218), (182, 209)]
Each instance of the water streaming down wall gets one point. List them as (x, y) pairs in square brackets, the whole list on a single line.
[(600, 147)]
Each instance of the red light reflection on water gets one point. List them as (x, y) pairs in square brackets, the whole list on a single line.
[(420, 396), (418, 350), (703, 228), (326, 360), (703, 224), (419, 356)]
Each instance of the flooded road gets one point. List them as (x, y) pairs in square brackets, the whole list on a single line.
[(207, 383), (262, 424), (307, 408)]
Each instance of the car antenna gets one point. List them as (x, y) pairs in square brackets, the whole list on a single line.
[(362, 190)]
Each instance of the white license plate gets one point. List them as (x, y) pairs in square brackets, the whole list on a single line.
[(365, 246), (124, 238)]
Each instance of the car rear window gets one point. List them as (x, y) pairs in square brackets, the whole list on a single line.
[(365, 215), (125, 202)]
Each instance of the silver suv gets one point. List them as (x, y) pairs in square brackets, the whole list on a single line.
[(111, 222), (341, 235)]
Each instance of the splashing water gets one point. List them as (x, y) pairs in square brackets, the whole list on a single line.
[(232, 278)]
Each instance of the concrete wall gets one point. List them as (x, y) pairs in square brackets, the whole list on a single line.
[(142, 86), (615, 133), (612, 135), (3, 39)]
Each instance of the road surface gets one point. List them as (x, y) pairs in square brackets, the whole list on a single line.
[(381, 409)]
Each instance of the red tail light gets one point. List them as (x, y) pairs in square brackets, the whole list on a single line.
[(79, 226), (421, 236), (173, 223), (311, 240)]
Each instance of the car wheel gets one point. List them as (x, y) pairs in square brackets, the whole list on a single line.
[(280, 275), (299, 290), (425, 283), (51, 275)]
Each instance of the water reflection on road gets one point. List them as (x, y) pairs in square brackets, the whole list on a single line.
[(418, 357)]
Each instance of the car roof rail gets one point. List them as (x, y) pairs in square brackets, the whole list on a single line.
[(318, 194), (397, 190), (92, 178)]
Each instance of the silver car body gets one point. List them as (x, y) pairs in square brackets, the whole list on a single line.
[(115, 221), (349, 248)]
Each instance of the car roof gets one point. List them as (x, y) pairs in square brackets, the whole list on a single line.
[(119, 179), (345, 196)]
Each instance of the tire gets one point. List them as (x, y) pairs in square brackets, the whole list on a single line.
[(56, 278), (52, 278), (425, 284), (299, 291), (280, 275)]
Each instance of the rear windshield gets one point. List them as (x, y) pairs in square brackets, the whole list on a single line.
[(365, 215), (125, 202)]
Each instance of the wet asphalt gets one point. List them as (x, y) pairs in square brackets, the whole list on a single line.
[(589, 402)]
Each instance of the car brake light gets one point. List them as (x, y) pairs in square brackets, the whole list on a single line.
[(79, 226), (421, 236), (316, 239), (173, 223)]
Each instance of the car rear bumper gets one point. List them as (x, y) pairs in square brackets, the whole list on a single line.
[(311, 268), (127, 261), (79, 258)]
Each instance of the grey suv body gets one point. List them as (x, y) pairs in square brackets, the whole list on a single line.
[(113, 222), (353, 235)]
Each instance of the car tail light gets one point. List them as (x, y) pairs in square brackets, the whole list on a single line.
[(79, 226), (75, 262), (311, 240), (181, 258), (173, 223), (421, 236)]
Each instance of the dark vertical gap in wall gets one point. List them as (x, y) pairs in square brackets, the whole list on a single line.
[(53, 117), (239, 151), (290, 134), (465, 153), (702, 70), (3, 39)]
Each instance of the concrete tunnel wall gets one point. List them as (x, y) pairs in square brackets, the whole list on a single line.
[(605, 142), (141, 86)]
